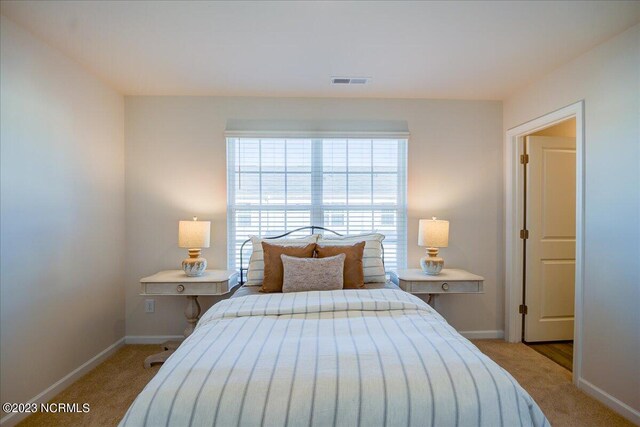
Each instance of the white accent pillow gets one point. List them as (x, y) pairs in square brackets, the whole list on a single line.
[(312, 274), (255, 274), (372, 258)]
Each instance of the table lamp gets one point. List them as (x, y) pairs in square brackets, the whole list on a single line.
[(433, 233), (194, 235)]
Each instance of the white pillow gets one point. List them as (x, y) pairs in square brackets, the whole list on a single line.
[(372, 257), (255, 274)]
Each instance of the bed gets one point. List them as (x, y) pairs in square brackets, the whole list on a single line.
[(368, 357)]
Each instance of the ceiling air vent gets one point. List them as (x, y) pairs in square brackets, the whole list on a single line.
[(359, 81), (349, 80)]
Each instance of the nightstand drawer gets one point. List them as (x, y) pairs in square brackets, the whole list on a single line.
[(186, 288), (175, 282), (442, 287)]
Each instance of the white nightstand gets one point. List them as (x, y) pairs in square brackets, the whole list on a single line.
[(449, 281), (176, 283)]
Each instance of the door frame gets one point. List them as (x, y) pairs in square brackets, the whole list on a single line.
[(514, 199)]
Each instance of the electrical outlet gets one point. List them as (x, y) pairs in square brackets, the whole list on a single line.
[(149, 305)]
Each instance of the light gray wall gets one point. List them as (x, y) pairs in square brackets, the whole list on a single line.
[(62, 215), (608, 79), (176, 168)]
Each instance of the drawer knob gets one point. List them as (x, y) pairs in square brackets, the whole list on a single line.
[(180, 288), (445, 286)]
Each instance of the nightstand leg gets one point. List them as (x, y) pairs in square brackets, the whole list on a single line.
[(432, 300), (157, 358), (192, 312)]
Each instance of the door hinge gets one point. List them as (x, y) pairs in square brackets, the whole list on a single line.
[(524, 159), (524, 234), (522, 309)]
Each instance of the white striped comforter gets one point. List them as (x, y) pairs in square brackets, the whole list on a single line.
[(348, 358)]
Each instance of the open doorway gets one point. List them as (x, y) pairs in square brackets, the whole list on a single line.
[(516, 232), (549, 213)]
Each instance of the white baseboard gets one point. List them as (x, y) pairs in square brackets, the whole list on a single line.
[(50, 392), (151, 339), (482, 335), (617, 405)]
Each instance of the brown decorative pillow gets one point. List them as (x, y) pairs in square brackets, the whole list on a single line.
[(353, 268), (273, 270), (312, 274)]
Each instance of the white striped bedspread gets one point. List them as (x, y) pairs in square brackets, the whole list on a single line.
[(346, 358)]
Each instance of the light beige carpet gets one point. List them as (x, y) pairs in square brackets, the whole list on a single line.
[(112, 387), (550, 386)]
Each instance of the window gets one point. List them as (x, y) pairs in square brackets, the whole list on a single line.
[(350, 186)]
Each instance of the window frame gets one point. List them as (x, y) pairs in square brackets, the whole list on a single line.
[(317, 209)]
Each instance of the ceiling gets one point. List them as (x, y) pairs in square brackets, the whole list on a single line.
[(457, 50)]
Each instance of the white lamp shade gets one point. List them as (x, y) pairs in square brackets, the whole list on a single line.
[(194, 234), (433, 233)]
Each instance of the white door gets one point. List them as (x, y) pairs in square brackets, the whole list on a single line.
[(551, 245)]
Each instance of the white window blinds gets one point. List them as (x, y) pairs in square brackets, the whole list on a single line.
[(351, 186)]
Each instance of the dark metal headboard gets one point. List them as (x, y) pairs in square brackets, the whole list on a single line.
[(313, 229)]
